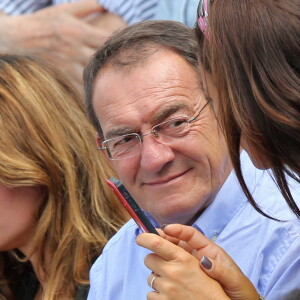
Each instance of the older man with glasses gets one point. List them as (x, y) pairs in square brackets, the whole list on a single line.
[(159, 132)]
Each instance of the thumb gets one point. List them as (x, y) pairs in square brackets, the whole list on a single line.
[(228, 275), (232, 279), (82, 8)]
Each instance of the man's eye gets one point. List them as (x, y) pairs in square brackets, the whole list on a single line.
[(176, 127), (126, 140), (177, 123)]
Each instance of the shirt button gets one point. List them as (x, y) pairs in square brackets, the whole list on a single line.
[(214, 237)]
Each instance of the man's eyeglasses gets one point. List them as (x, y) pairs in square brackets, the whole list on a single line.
[(128, 145), (202, 13)]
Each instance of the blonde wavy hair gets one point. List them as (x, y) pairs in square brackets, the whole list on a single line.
[(47, 141)]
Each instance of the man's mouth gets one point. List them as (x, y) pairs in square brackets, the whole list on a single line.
[(168, 179)]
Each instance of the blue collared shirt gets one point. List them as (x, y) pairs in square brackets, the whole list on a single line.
[(267, 251)]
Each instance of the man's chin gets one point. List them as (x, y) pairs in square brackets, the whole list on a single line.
[(172, 217)]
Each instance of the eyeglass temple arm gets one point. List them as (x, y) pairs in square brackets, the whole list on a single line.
[(198, 114), (101, 148)]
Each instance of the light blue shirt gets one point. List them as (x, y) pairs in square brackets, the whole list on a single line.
[(267, 251)]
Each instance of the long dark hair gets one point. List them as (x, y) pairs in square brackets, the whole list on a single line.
[(253, 54)]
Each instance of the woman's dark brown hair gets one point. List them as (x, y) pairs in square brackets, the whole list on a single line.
[(253, 53)]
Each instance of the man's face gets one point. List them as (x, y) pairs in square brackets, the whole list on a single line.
[(173, 182)]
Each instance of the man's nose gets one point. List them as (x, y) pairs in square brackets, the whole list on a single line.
[(154, 154)]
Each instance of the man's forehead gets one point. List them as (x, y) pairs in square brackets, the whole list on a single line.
[(166, 73)]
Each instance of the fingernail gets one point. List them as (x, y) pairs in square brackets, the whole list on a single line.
[(206, 263), (164, 226)]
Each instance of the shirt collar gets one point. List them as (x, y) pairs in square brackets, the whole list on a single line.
[(229, 200)]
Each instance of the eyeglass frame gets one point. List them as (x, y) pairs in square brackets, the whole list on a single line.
[(153, 131), (202, 14)]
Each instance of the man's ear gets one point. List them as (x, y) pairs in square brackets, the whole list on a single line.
[(98, 141)]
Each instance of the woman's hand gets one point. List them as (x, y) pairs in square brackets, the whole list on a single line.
[(177, 273), (214, 261)]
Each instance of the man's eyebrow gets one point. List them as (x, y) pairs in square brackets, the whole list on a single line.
[(168, 111), (158, 117), (118, 131)]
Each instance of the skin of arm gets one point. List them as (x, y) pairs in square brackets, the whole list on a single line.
[(66, 34), (176, 259)]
